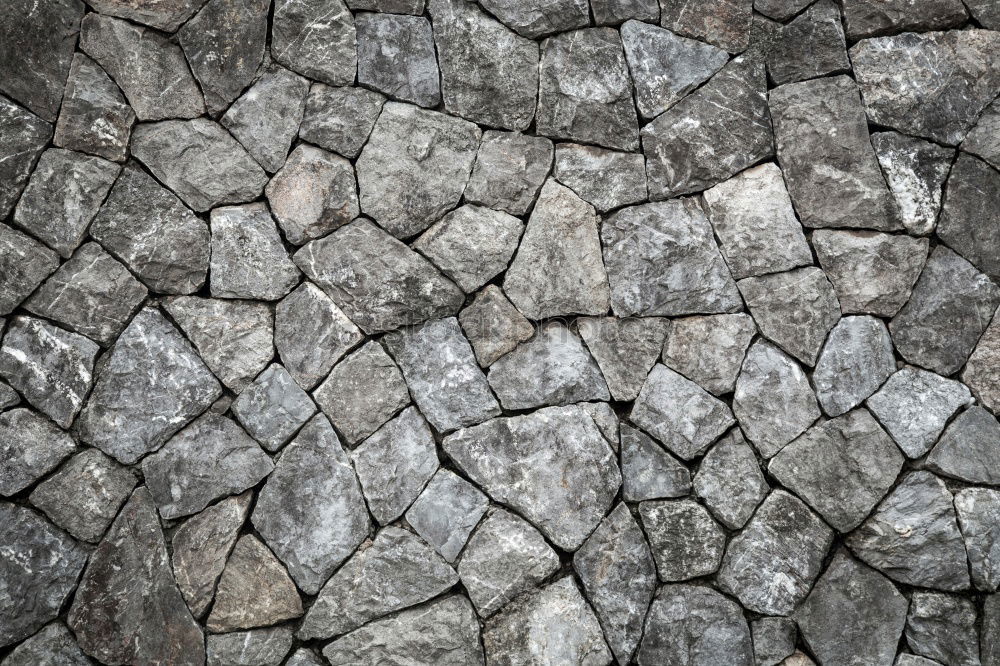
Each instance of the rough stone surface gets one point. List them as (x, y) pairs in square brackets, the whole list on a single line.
[(709, 350), (446, 512), (259, 647), (31, 447), (625, 350), (866, 18), (541, 18), (969, 449), (970, 217), (493, 325), (991, 623), (396, 57), (166, 15), (340, 119), (25, 264), (248, 258), (983, 139), (22, 140), (811, 45), (982, 372), (509, 171), (729, 481), (648, 471), (315, 38), (94, 117), (774, 639), (977, 508), (603, 178), (856, 359), (685, 540), (915, 171), (612, 12), (943, 627), (52, 645), (273, 407)]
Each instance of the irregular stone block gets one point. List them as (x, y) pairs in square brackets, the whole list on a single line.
[(340, 119), (943, 627), (969, 449), (94, 117), (774, 639), (685, 540), (625, 350), (165, 15), (273, 407), (315, 38), (915, 171), (603, 178), (811, 45), (30, 447), (970, 217), (977, 510), (867, 18), (313, 194), (23, 137), (982, 371), (259, 647), (984, 139), (613, 12), (856, 359), (648, 471), (52, 645), (446, 512), (729, 481), (248, 257), (709, 350), (25, 263), (396, 57), (509, 171), (540, 18), (493, 325)]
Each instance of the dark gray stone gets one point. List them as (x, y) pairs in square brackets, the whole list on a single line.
[(23, 137), (273, 407), (248, 257), (915, 171), (867, 18), (984, 139), (648, 471), (685, 540), (855, 361), (987, 12), (340, 119), (969, 449), (811, 45), (25, 263), (315, 38), (396, 57), (52, 645), (259, 647), (30, 447), (977, 509), (613, 12), (604, 178), (943, 627), (446, 512), (165, 15), (729, 481), (709, 350), (970, 218), (94, 117), (982, 371), (990, 647), (493, 325), (415, 7), (509, 171), (774, 639), (625, 350), (539, 18), (304, 657)]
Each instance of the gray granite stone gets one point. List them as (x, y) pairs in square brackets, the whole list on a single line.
[(509, 171), (780, 10), (977, 510), (304, 657), (648, 471), (709, 350), (52, 645), (915, 171), (94, 117), (774, 639), (493, 325), (165, 15), (613, 12), (23, 138), (340, 119), (970, 217), (273, 407), (867, 18), (396, 57), (983, 139), (969, 449), (943, 627), (811, 45), (258, 647), (625, 350), (685, 540), (539, 18), (446, 512), (25, 263), (603, 178), (729, 481), (415, 7), (248, 257), (315, 38), (30, 447), (987, 12), (855, 361), (982, 371), (605, 419), (990, 646)]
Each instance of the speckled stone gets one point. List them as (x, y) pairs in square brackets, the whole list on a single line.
[(648, 471), (855, 361), (729, 481), (340, 119), (31, 447), (625, 350), (315, 38), (685, 540), (23, 138), (709, 350), (396, 57), (446, 512), (604, 178), (94, 117), (915, 171), (509, 171), (970, 216)]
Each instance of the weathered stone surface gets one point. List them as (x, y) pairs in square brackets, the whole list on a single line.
[(395, 571), (780, 10), (649, 472), (377, 281), (415, 7), (662, 259), (811, 45), (509, 171), (148, 228), (915, 171), (315, 38), (415, 167), (971, 214), (709, 350), (551, 626), (613, 12), (340, 119), (166, 15), (30, 448), (273, 407), (855, 361), (395, 463), (977, 509), (248, 258), (25, 263), (396, 57), (209, 459), (774, 639), (493, 325), (625, 350), (362, 392), (984, 139), (259, 647), (584, 90), (52, 645), (304, 657), (712, 134), (982, 372), (94, 117), (604, 178), (957, 73), (826, 156), (127, 608), (443, 632), (539, 18), (943, 627), (913, 536), (63, 196), (950, 307), (152, 385), (990, 648), (692, 624), (313, 194), (987, 12), (729, 481), (84, 496), (8, 396), (852, 611), (23, 137), (534, 463), (471, 245), (724, 23), (446, 512), (867, 18), (685, 540), (969, 449), (772, 563)]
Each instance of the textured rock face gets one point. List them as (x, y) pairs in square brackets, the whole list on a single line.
[(709, 350), (340, 119), (509, 171), (685, 540), (396, 57), (773, 639), (493, 325), (446, 512), (52, 645), (969, 218), (969, 447), (273, 408), (982, 139), (809, 46), (915, 170), (856, 359), (258, 647), (604, 178), (540, 18), (248, 259), (864, 18), (625, 350), (648, 471), (943, 627), (94, 117), (982, 370), (25, 262), (315, 38), (23, 139), (975, 507), (730, 482)]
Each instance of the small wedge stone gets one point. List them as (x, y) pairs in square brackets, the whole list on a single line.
[(396, 57), (446, 512), (541, 18), (709, 350), (165, 15), (612, 12), (855, 361), (625, 350), (729, 481), (509, 171), (603, 178), (30, 447), (969, 218), (915, 171), (315, 38), (648, 471), (977, 508), (685, 539), (340, 119), (493, 325), (248, 258), (982, 372), (258, 647), (969, 449)]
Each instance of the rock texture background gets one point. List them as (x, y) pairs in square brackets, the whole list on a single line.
[(549, 333)]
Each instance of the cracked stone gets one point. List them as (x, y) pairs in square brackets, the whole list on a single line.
[(685, 540), (539, 18), (625, 350), (396, 57), (248, 258), (340, 119), (729, 481), (971, 214), (259, 647), (52, 645), (969, 449), (493, 325), (23, 137), (648, 471), (943, 627), (603, 178), (315, 38), (509, 171), (915, 171), (25, 263), (709, 350), (855, 361), (273, 407), (94, 117), (982, 372), (30, 447), (984, 139), (991, 622), (977, 509), (812, 45), (165, 15), (774, 639), (446, 512)]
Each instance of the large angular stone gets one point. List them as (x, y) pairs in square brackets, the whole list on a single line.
[(625, 350), (539, 18), (23, 137), (258, 647), (648, 471), (396, 57), (446, 513), (25, 263), (950, 307), (52, 645), (969, 449), (772, 563), (982, 372), (340, 119), (977, 509), (535, 463), (30, 448), (970, 217), (913, 536), (248, 257), (685, 540), (415, 167), (493, 325), (867, 18), (604, 178), (273, 407), (152, 385), (729, 481), (709, 350), (128, 608), (915, 171), (311, 511), (315, 38), (712, 134), (313, 194), (812, 45), (984, 139), (584, 90), (94, 117), (943, 627), (395, 571), (855, 361), (165, 15), (509, 171)]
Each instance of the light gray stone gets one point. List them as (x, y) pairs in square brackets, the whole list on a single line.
[(23, 138), (915, 171), (648, 471), (396, 57), (340, 119), (304, 657), (248, 258), (977, 510), (493, 325), (685, 540), (259, 647), (605, 419), (509, 171), (415, 7), (315, 38), (625, 350), (990, 647), (969, 449), (943, 627), (604, 178), (94, 117), (273, 407), (855, 361), (709, 350), (969, 217), (446, 512), (729, 481), (982, 371), (52, 645), (540, 18), (30, 447)]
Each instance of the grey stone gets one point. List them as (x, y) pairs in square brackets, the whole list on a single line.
[(685, 539), (723, 23), (553, 625), (8, 396), (377, 281), (558, 268), (689, 625), (983, 139), (827, 158), (234, 338), (752, 215), (913, 536), (443, 632), (311, 334), (36, 47), (415, 7), (25, 263), (315, 38), (311, 511), (148, 228), (795, 309), (540, 18), (52, 645), (259, 647), (84, 496), (679, 413), (395, 464), (340, 119), (446, 512), (774, 639), (415, 167), (52, 368), (266, 118), (488, 74), (209, 459), (855, 361), (915, 171), (772, 563), (395, 571), (712, 134), (987, 12), (23, 137), (165, 15), (201, 546), (150, 70), (982, 371), (709, 350), (852, 613), (662, 259), (273, 407), (603, 178), (396, 57), (362, 392), (729, 481), (842, 468), (780, 10), (254, 590), (94, 117), (509, 171), (867, 18), (493, 325), (304, 657), (605, 419), (584, 90), (811, 45), (872, 272), (969, 449), (950, 307), (127, 608), (943, 627), (63, 196), (30, 448), (931, 85), (990, 647), (970, 217), (977, 509), (248, 258), (613, 12), (625, 350), (471, 244), (152, 385), (552, 368), (534, 463), (648, 471)]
